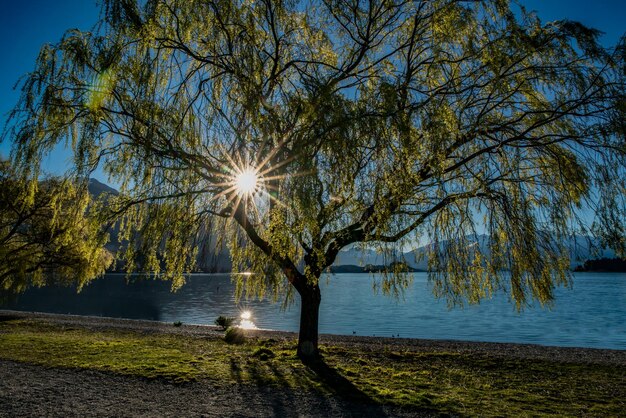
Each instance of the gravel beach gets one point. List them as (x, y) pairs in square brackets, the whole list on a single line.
[(31, 390)]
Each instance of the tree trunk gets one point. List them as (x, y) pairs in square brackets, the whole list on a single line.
[(310, 298)]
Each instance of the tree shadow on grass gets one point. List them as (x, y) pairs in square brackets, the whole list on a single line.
[(355, 402), (290, 389), (337, 383)]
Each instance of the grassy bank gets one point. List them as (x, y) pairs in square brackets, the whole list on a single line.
[(447, 382)]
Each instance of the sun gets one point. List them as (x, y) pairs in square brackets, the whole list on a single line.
[(246, 182), (250, 182)]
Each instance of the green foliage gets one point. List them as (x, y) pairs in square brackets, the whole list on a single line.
[(224, 322), (368, 122), (235, 335), (46, 236)]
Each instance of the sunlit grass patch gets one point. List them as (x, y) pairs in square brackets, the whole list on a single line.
[(123, 353)]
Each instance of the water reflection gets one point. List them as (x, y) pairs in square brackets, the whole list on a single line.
[(245, 321)]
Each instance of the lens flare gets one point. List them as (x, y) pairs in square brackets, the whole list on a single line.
[(246, 182)]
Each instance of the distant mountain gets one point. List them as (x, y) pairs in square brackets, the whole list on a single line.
[(210, 258), (97, 188), (581, 248), (357, 257)]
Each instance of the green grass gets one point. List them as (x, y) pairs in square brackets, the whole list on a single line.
[(478, 385), (449, 383)]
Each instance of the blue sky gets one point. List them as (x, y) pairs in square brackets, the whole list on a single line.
[(26, 25)]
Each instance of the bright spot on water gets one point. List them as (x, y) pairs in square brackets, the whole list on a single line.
[(245, 322)]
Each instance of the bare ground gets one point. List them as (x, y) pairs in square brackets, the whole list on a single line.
[(34, 391)]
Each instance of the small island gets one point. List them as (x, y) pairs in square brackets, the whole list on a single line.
[(603, 265), (398, 266)]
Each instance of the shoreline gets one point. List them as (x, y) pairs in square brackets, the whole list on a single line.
[(492, 349)]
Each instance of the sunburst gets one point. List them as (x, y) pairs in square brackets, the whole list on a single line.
[(249, 181), (246, 182)]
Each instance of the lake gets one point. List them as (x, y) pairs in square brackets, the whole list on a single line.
[(591, 314)]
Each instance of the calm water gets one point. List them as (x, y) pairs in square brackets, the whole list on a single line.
[(591, 314)]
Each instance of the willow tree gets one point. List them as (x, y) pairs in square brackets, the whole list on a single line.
[(295, 129), (45, 237)]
